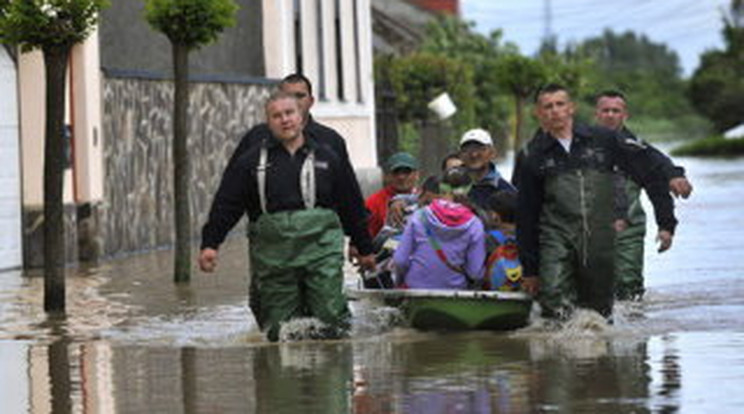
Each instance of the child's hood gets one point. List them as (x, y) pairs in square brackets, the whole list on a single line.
[(449, 219)]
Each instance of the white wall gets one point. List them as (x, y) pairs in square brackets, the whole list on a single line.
[(354, 115), (10, 178)]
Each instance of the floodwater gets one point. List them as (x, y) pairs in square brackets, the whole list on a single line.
[(134, 342)]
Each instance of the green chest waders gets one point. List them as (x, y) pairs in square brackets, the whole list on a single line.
[(577, 243), (296, 261), (629, 248)]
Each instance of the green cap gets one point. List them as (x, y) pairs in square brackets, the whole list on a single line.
[(401, 160)]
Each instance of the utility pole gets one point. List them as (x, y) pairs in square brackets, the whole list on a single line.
[(548, 21)]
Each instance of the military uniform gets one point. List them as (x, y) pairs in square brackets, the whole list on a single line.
[(566, 210), (299, 206)]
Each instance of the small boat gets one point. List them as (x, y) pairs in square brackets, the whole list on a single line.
[(431, 309)]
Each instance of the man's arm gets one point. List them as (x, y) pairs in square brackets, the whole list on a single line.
[(529, 205), (651, 171), (678, 183), (229, 204), (353, 219), (331, 138)]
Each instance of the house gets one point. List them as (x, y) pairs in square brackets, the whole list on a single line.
[(118, 193), (735, 132), (399, 25), (10, 176)]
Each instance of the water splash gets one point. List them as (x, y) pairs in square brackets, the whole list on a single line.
[(369, 321)]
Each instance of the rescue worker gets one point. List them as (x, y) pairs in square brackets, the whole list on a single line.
[(300, 87), (611, 112), (565, 206), (294, 190)]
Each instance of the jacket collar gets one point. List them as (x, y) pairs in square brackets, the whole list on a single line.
[(545, 141)]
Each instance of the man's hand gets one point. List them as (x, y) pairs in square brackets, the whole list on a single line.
[(680, 187), (396, 213), (620, 225), (367, 262), (531, 284), (208, 260), (353, 253), (664, 237)]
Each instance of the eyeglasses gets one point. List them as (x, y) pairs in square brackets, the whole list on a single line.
[(473, 149)]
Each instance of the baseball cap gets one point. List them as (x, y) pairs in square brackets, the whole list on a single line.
[(401, 160), (478, 135)]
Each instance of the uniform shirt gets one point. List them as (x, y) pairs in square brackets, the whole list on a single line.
[(238, 191), (592, 148), (323, 135)]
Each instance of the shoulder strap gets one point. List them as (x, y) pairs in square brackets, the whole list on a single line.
[(261, 175), (307, 178)]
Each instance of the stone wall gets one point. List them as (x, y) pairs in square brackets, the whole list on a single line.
[(137, 212)]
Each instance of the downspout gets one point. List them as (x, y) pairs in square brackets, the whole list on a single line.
[(73, 158)]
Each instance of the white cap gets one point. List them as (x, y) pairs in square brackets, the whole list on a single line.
[(478, 135)]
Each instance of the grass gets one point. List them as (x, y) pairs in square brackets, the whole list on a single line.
[(714, 146)]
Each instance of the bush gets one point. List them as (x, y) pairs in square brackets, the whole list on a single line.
[(712, 146)]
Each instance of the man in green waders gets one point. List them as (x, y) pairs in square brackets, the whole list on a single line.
[(299, 199), (565, 232), (611, 112)]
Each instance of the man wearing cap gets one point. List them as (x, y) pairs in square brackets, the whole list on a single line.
[(401, 176), (477, 152)]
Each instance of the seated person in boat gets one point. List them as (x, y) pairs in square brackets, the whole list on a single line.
[(443, 244), (430, 187), (503, 269), (400, 208), (401, 177)]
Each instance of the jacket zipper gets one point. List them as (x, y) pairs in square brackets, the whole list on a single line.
[(584, 217)]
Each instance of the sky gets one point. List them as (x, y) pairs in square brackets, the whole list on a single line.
[(689, 27)]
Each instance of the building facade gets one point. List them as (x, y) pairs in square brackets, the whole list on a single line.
[(118, 192)]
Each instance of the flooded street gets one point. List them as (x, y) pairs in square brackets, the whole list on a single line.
[(134, 342)]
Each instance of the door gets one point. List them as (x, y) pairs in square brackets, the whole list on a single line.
[(10, 181)]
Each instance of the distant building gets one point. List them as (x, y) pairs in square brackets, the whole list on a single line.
[(118, 187), (735, 132), (398, 25)]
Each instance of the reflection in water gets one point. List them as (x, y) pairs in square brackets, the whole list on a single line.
[(399, 372), (667, 392), (313, 377), (134, 342), (59, 376)]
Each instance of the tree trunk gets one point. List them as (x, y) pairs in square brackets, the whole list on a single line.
[(181, 169), (55, 65), (519, 120)]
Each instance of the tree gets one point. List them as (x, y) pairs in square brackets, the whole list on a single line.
[(189, 25), (456, 39), (420, 77), (648, 71), (53, 26), (521, 76), (717, 86)]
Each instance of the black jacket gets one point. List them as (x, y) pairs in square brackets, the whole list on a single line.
[(323, 135), (592, 148), (238, 191)]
